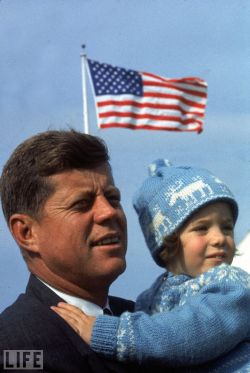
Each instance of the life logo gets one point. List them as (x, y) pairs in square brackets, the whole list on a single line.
[(23, 359)]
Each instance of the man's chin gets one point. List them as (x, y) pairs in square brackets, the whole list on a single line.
[(115, 270)]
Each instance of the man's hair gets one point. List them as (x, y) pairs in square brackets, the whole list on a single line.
[(24, 184)]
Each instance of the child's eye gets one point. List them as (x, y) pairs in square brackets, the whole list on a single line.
[(228, 227), (200, 228)]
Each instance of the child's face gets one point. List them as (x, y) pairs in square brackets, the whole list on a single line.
[(207, 240)]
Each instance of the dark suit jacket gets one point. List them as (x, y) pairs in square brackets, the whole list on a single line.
[(29, 324)]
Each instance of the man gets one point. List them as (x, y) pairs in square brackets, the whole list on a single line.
[(63, 210)]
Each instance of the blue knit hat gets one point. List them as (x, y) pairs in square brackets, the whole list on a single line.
[(170, 195)]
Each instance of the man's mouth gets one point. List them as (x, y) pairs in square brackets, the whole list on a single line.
[(107, 241)]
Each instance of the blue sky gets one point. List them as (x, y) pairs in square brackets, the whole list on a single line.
[(40, 88)]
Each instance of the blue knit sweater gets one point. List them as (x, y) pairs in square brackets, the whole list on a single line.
[(202, 323)]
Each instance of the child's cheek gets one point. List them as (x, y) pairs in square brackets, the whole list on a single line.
[(199, 245)]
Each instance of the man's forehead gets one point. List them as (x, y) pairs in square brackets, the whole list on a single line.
[(90, 190), (84, 179)]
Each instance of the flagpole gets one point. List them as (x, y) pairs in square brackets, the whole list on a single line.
[(83, 56)]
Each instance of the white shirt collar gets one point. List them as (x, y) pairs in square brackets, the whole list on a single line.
[(89, 308)]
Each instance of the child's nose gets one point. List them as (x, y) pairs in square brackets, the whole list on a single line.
[(218, 236)]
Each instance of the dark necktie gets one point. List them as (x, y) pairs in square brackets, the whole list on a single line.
[(106, 311)]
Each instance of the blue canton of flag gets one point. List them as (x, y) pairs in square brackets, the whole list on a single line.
[(109, 80), (138, 100)]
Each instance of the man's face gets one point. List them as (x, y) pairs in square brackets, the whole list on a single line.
[(82, 234)]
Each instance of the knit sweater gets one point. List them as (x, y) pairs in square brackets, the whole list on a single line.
[(184, 321)]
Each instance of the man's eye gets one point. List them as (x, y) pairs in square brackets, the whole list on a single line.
[(82, 205), (114, 200)]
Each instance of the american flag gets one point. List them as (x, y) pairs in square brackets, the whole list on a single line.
[(139, 100)]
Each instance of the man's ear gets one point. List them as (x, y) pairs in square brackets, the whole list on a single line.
[(22, 227)]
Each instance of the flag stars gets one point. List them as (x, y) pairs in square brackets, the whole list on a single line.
[(114, 80)]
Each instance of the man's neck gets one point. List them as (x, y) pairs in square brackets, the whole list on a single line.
[(88, 307), (96, 295)]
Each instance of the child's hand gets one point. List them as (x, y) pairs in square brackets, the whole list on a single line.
[(77, 319)]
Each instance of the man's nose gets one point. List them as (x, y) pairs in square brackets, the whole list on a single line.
[(103, 210)]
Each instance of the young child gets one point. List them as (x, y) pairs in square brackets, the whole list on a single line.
[(197, 313)]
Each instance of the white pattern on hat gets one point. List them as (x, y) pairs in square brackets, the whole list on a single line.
[(170, 195), (187, 192)]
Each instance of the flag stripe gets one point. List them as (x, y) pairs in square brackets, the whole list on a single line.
[(145, 123), (193, 81), (129, 99), (172, 95), (168, 96), (148, 116), (137, 126), (154, 99), (175, 87), (151, 105), (173, 92)]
